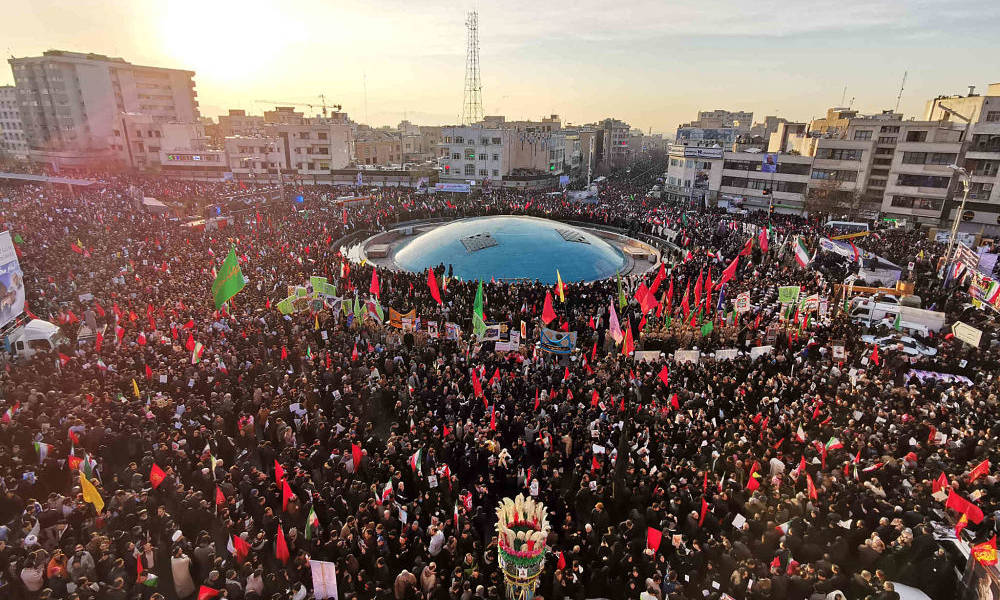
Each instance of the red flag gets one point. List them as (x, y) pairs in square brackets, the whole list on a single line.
[(356, 456), (628, 346), (279, 472), (594, 465), (284, 353), (99, 341), (373, 288), (220, 498), (811, 487), (684, 301), (354, 353), (141, 340), (493, 418), (747, 248), (704, 509), (665, 375), (874, 357), (940, 483), (536, 399), (762, 239), (99, 309), (562, 561), (704, 483), (660, 276), (207, 593), (670, 294), (752, 483), (961, 505), (477, 387), (653, 538), (280, 547), (189, 344), (149, 372), (981, 469), (547, 311), (156, 476), (240, 548), (674, 402), (986, 553), (286, 494), (495, 377), (963, 521), (730, 271), (433, 284), (697, 288), (63, 359), (189, 324), (595, 398)]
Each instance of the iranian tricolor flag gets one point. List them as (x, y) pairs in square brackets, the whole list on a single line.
[(455, 515), (801, 253), (783, 528), (417, 460), (833, 444), (312, 524), (800, 435), (196, 353)]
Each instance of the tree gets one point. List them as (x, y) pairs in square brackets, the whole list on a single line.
[(826, 197)]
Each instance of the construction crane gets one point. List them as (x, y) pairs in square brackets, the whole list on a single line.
[(322, 104)]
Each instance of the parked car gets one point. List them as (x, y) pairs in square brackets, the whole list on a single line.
[(907, 344)]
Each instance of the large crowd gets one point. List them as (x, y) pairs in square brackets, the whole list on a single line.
[(185, 453)]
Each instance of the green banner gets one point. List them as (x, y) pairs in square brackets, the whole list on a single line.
[(788, 294)]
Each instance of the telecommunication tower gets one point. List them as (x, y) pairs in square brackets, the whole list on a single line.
[(472, 105)]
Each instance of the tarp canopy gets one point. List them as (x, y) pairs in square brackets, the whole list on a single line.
[(153, 205)]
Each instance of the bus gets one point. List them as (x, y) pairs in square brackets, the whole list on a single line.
[(848, 226)]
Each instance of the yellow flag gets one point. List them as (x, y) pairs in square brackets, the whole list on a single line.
[(135, 388), (90, 493), (559, 286), (317, 320)]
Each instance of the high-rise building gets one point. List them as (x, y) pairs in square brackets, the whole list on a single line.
[(69, 102), (12, 141)]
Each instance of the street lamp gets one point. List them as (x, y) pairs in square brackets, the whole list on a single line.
[(963, 176)]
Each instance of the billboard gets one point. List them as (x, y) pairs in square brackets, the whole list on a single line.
[(11, 281), (769, 164)]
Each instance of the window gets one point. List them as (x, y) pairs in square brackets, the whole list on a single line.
[(484, 172), (483, 156), (459, 139), (470, 154), (993, 115), (484, 142), (916, 136), (470, 170), (985, 167), (835, 174), (863, 134), (456, 156), (447, 139), (304, 135), (839, 153), (496, 141), (929, 158), (887, 139), (322, 135), (980, 191), (917, 203), (496, 157), (929, 181), (324, 150), (496, 173), (889, 129)]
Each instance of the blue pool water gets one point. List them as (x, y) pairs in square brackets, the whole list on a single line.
[(515, 247)]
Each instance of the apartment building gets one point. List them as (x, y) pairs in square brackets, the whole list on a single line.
[(740, 120), (612, 137), (69, 102), (13, 144), (980, 153), (238, 122), (376, 147), (475, 153)]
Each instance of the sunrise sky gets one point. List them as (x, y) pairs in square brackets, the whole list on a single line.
[(650, 63)]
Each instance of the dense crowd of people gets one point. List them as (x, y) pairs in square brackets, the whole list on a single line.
[(192, 451)]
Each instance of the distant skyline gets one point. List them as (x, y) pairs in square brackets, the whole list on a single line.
[(653, 64)]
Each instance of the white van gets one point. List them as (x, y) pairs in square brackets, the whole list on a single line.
[(34, 336)]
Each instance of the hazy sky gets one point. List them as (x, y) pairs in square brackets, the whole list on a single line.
[(653, 63)]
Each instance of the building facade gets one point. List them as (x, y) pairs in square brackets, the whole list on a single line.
[(13, 144), (69, 102)]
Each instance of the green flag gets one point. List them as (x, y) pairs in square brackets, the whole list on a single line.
[(897, 323), (229, 281), (478, 322), (358, 312), (18, 239), (621, 293), (378, 309), (707, 328)]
